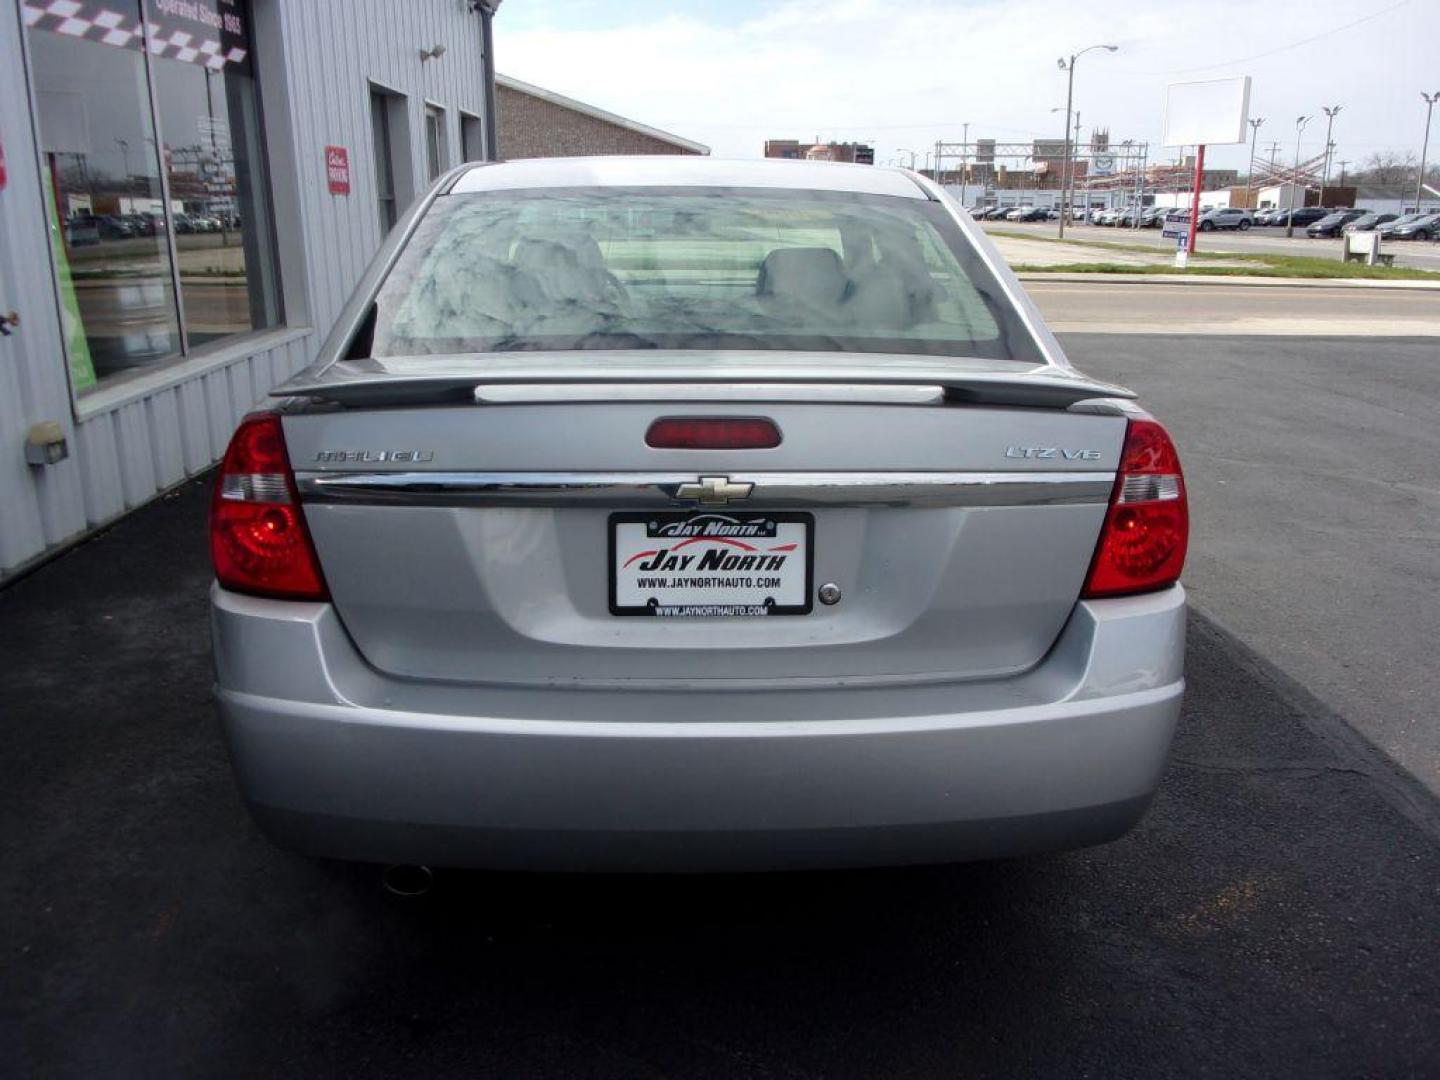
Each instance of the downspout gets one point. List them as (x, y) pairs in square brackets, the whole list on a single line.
[(487, 9)]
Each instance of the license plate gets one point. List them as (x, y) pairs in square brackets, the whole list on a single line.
[(709, 564)]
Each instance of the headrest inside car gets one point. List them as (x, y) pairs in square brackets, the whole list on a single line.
[(813, 275)]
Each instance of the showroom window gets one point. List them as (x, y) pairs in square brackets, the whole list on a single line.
[(151, 142)]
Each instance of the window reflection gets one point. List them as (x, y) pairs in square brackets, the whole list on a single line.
[(222, 233), (99, 151), (97, 68)]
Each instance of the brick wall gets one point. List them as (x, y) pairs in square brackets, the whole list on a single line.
[(531, 127)]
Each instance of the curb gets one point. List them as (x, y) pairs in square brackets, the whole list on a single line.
[(1216, 280)]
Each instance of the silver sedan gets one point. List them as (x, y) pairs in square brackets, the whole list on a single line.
[(685, 514)]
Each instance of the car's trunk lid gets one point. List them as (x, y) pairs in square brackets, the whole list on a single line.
[(473, 542)]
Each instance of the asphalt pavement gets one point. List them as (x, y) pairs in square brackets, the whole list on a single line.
[(1274, 915), (1315, 508)]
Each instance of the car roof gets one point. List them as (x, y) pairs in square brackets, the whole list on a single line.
[(689, 171)]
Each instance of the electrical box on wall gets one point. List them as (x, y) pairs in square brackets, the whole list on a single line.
[(45, 443)]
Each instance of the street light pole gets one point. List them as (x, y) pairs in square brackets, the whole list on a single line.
[(1300, 122), (1330, 111), (1068, 195), (1430, 100), (1065, 173), (1250, 173)]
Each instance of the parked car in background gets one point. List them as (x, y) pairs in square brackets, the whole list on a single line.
[(82, 230), (1419, 227), (1369, 221), (1026, 213), (1153, 217), (1225, 217), (1301, 217), (997, 213), (644, 611), (1390, 226), (114, 227), (1332, 223)]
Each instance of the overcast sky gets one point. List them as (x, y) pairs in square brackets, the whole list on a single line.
[(904, 74)]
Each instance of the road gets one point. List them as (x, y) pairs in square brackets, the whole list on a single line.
[(1274, 915), (1216, 308), (1421, 255), (1315, 510)]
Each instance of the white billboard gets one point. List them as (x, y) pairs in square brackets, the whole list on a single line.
[(1213, 112)]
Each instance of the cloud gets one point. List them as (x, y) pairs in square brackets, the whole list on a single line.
[(906, 74)]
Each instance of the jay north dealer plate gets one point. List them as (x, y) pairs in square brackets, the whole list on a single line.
[(711, 564)]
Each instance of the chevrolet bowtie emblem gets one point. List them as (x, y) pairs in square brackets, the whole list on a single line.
[(713, 490)]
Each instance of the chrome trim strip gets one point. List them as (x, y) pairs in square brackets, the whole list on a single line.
[(838, 393), (771, 490)]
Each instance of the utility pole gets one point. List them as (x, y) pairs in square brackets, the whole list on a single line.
[(1250, 173), (965, 163), (1069, 104), (1300, 122), (1067, 195), (1430, 100), (1330, 111), (1343, 163)]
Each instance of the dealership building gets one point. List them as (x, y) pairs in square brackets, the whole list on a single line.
[(189, 191)]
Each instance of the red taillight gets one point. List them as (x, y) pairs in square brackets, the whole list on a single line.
[(258, 540), (1147, 528), (729, 433)]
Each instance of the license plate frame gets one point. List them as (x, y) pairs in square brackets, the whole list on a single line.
[(750, 608)]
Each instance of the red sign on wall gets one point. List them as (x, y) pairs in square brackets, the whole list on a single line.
[(337, 169)]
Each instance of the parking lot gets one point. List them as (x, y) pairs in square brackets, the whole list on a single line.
[(1273, 915), (1420, 255)]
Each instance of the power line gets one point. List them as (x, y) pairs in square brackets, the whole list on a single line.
[(1282, 48)]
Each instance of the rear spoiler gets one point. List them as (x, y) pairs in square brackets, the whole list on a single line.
[(440, 380)]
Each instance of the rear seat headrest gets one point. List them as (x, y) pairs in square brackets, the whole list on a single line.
[(814, 275)]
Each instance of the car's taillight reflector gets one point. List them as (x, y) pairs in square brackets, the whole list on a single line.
[(723, 433), (258, 540), (1147, 527)]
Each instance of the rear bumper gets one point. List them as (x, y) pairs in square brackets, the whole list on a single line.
[(337, 760)]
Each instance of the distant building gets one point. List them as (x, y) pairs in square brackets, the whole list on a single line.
[(539, 123), (857, 153)]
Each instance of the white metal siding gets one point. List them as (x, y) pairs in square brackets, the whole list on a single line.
[(315, 91)]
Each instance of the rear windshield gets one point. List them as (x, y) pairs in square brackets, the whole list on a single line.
[(693, 268)]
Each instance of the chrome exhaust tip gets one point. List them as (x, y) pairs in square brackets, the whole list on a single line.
[(407, 880)]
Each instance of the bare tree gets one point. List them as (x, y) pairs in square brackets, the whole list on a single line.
[(1388, 167)]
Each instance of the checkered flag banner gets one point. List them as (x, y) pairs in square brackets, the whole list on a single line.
[(203, 42)]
